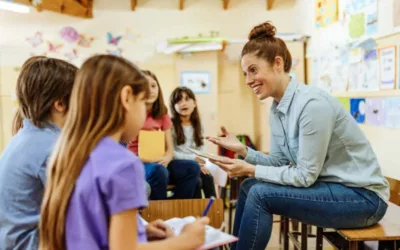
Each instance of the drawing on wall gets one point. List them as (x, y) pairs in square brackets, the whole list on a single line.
[(396, 11), (113, 40), (85, 41), (392, 112), (371, 64), (326, 12), (375, 113), (69, 34), (198, 81), (130, 36), (360, 17), (388, 67), (116, 52), (357, 109), (36, 39), (71, 55), (345, 101), (53, 48)]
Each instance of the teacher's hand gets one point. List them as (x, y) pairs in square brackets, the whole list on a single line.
[(236, 167), (229, 142)]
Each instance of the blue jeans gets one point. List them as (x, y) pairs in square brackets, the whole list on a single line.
[(328, 205), (184, 174)]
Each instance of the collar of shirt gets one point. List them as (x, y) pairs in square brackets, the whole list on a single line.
[(286, 101), (27, 124)]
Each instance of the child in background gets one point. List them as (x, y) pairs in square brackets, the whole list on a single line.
[(43, 90), (188, 133), (183, 174), (95, 186)]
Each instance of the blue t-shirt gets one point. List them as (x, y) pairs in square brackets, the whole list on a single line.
[(22, 182), (111, 181)]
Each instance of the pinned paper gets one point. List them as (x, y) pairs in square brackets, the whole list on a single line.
[(375, 112), (392, 112), (358, 109)]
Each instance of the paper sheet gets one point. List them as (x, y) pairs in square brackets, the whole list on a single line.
[(392, 112), (388, 67), (375, 113), (214, 237)]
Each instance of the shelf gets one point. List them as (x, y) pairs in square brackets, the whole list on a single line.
[(382, 93)]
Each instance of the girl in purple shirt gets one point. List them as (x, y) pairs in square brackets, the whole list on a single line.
[(95, 186)]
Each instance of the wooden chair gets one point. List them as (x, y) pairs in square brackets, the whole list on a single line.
[(387, 231), (167, 209)]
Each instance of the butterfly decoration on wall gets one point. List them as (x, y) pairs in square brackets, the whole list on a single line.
[(84, 41), (113, 40), (130, 36), (36, 39), (54, 48), (117, 52), (71, 55)]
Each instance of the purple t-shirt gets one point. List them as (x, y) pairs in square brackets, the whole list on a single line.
[(112, 181)]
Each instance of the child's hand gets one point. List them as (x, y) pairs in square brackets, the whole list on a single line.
[(196, 232), (158, 230), (165, 160), (203, 169)]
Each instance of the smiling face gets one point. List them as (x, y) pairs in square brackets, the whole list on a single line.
[(261, 77)]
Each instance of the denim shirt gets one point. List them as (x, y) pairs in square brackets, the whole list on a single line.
[(314, 138), (22, 182)]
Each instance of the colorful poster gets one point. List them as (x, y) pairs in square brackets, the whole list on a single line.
[(392, 112), (371, 78), (326, 12), (345, 101), (357, 109), (198, 81), (357, 25), (360, 17), (388, 67), (396, 11), (375, 112)]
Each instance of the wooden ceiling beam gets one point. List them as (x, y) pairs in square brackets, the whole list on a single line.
[(269, 4), (181, 4), (225, 4), (69, 7), (133, 5)]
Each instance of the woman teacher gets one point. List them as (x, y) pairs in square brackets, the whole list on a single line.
[(321, 169)]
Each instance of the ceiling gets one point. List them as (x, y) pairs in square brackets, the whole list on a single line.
[(84, 8)]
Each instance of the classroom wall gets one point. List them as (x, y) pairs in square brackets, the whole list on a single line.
[(383, 140), (153, 21)]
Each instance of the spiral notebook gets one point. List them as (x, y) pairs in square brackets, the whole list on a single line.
[(214, 237)]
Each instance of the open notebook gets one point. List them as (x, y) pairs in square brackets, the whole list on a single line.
[(214, 237)]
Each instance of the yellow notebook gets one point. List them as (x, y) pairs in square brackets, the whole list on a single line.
[(151, 144)]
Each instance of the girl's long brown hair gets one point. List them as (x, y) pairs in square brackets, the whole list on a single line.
[(95, 112), (180, 139)]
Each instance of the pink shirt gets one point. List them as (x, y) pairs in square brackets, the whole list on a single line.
[(164, 123)]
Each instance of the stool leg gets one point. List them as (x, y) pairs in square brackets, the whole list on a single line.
[(230, 218), (319, 238), (285, 233), (304, 236)]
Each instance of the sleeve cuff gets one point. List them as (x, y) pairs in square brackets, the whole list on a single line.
[(251, 155)]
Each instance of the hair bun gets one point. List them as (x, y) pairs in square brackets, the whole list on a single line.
[(264, 30)]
